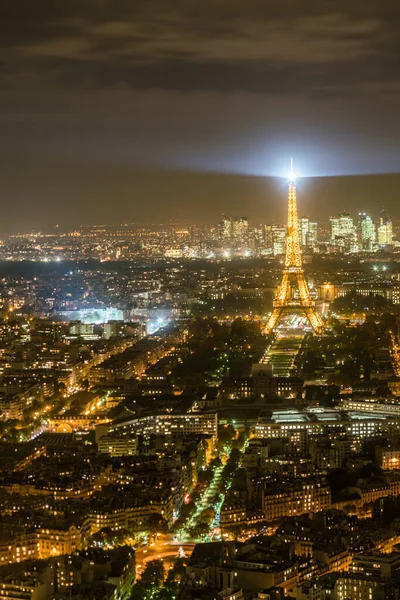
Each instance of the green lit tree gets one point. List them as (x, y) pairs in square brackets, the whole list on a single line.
[(150, 581)]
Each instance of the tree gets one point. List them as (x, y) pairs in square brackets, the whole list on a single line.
[(153, 574), (226, 434), (156, 524), (204, 477), (313, 360), (240, 441), (207, 515), (61, 388), (199, 531), (234, 456), (179, 524), (110, 537), (215, 463), (350, 509), (177, 572), (151, 579), (188, 509)]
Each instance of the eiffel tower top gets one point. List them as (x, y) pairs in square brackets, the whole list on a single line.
[(293, 252)]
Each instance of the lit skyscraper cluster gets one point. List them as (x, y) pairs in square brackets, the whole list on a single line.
[(234, 229), (366, 236), (308, 231), (343, 232), (367, 231), (385, 231)]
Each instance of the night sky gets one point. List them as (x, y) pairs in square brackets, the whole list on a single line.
[(149, 110)]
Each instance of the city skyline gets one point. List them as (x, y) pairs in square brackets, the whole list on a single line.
[(199, 300)]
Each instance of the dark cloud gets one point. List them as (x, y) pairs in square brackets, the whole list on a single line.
[(100, 98), (156, 43)]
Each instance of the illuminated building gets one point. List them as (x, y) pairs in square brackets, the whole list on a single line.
[(372, 575), (367, 231), (169, 425), (84, 330), (389, 290), (268, 237), (292, 295), (385, 230), (295, 498), (225, 229), (127, 517), (385, 566), (308, 232), (250, 566), (240, 229), (71, 421), (233, 512), (117, 446), (327, 454), (343, 232), (278, 239), (352, 586), (312, 235), (54, 541), (388, 458), (303, 229), (27, 547), (328, 422)]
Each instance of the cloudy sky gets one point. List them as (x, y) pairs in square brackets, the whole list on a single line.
[(147, 110)]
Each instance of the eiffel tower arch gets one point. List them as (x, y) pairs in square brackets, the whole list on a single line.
[(292, 295)]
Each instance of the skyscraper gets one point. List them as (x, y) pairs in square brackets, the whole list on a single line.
[(304, 223), (240, 229), (278, 239), (308, 232), (268, 237), (312, 235), (343, 232), (225, 229), (385, 230), (367, 231)]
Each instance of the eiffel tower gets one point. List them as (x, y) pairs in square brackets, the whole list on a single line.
[(292, 295)]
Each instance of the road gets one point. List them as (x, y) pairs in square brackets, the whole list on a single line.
[(165, 549)]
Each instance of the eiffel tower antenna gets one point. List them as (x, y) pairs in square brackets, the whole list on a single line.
[(292, 295)]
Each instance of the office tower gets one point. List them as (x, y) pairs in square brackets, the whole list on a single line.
[(307, 232), (225, 229), (285, 302), (312, 235), (343, 232), (385, 230), (268, 237), (367, 231), (240, 229), (303, 229), (278, 239)]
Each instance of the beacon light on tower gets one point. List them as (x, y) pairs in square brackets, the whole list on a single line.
[(292, 174)]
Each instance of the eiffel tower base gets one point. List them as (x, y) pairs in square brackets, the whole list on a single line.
[(309, 312)]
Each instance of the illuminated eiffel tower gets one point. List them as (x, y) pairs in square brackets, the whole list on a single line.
[(292, 295)]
